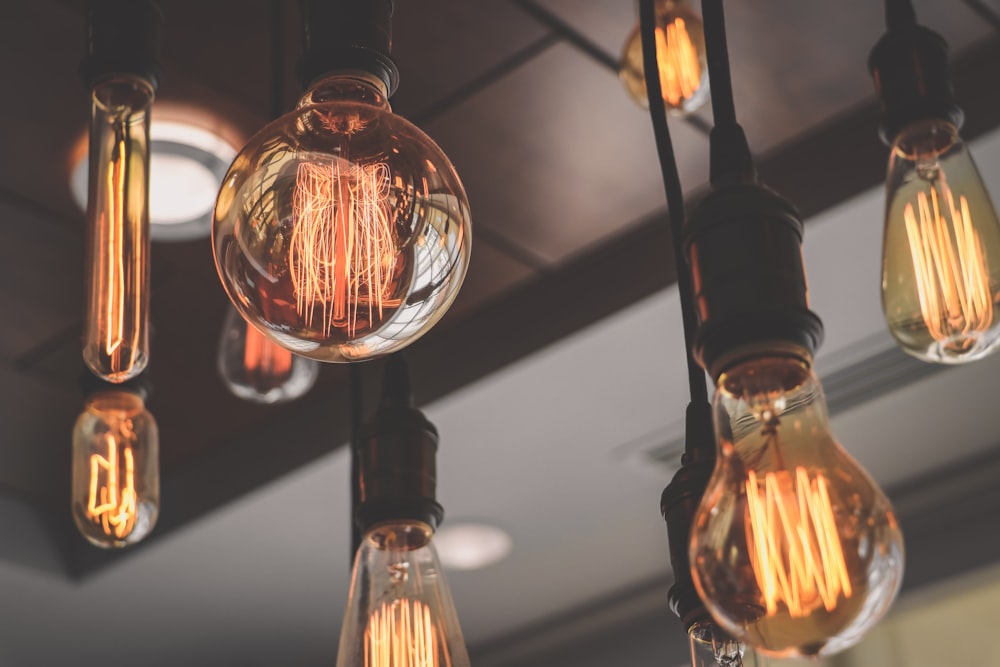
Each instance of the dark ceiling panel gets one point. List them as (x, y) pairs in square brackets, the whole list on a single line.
[(556, 158), (605, 22), (491, 273)]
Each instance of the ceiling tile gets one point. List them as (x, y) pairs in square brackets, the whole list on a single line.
[(441, 45), (555, 157), (491, 273), (605, 22)]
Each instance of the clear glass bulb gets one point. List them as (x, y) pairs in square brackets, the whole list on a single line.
[(680, 55), (116, 330), (400, 612), (941, 252), (255, 368), (116, 469), (341, 230), (794, 549)]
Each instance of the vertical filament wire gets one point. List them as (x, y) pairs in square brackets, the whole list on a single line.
[(952, 274), (342, 250), (680, 70), (112, 499), (402, 633), (794, 546)]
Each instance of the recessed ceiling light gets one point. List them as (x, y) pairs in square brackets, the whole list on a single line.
[(187, 165), (471, 546)]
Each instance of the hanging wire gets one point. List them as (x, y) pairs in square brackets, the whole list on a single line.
[(675, 195)]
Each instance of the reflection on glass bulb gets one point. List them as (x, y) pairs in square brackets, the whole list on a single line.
[(400, 612), (794, 549), (116, 478), (680, 56), (256, 369), (712, 647), (116, 339), (941, 253), (342, 231)]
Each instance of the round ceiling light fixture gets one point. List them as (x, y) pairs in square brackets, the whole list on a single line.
[(472, 545), (187, 165)]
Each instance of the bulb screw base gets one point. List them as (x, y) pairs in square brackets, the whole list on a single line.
[(395, 458), (123, 37), (743, 243), (345, 36), (909, 66)]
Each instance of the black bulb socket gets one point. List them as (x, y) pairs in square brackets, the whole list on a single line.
[(744, 246), (123, 38)]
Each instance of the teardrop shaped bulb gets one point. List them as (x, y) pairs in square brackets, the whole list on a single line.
[(256, 369), (941, 252), (116, 469), (794, 549), (399, 611)]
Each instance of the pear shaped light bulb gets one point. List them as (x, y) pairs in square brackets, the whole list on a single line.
[(680, 55), (941, 253), (116, 473), (341, 230), (399, 611), (256, 369), (794, 549)]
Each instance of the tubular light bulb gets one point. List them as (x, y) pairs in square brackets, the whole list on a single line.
[(116, 336), (794, 549), (256, 369), (941, 254), (342, 231), (116, 477), (680, 54), (400, 612)]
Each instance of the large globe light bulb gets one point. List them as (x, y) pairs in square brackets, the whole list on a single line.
[(342, 230)]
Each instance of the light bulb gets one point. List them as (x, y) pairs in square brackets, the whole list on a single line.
[(399, 611), (116, 335), (794, 549), (680, 56), (341, 230), (941, 252), (255, 368), (116, 476)]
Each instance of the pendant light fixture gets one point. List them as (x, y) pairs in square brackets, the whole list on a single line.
[(121, 70), (399, 610), (116, 464), (680, 57), (941, 250), (342, 231)]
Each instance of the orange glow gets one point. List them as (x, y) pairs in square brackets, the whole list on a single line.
[(793, 543), (112, 499), (953, 279), (680, 70), (402, 634), (342, 253), (264, 358)]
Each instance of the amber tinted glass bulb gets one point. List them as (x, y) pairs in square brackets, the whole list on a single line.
[(341, 230), (941, 252), (116, 474), (255, 368), (680, 55), (794, 550), (399, 611)]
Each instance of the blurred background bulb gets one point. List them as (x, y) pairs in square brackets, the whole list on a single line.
[(794, 549), (399, 610), (941, 253), (116, 335), (116, 475), (342, 230), (680, 53), (255, 368)]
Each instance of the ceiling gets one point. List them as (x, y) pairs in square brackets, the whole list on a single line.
[(554, 381)]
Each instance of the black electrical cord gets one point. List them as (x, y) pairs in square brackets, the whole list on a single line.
[(675, 194)]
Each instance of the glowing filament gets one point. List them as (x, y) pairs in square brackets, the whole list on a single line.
[(952, 275), (680, 70), (112, 499), (793, 543), (264, 358), (342, 252), (402, 634)]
